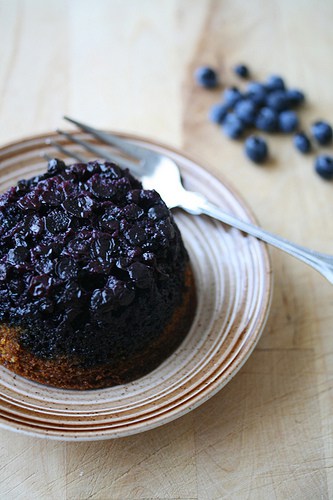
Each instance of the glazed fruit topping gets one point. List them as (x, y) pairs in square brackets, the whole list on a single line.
[(78, 243)]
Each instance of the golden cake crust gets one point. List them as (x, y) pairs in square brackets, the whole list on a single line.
[(68, 373)]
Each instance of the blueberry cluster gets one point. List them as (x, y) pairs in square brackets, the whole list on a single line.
[(78, 245), (269, 107)]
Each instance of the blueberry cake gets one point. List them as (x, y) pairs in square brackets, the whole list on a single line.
[(96, 287)]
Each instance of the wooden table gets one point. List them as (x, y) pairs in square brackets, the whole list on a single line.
[(128, 66)]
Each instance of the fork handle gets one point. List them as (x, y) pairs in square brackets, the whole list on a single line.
[(323, 263)]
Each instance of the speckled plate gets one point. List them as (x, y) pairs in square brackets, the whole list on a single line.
[(233, 281)]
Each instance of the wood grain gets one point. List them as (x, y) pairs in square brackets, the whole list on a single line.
[(128, 66)]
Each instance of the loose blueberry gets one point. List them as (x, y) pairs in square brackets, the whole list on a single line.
[(302, 142), (256, 149), (275, 82), (278, 100), (322, 132), (324, 166), (295, 97), (17, 255), (246, 111), (218, 112), (257, 92), (288, 121), (206, 77), (242, 71), (231, 96), (267, 120), (232, 126)]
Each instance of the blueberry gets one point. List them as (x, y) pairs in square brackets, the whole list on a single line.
[(278, 100), (40, 286), (231, 95), (101, 187), (275, 82), (140, 274), (322, 132), (218, 112), (57, 221), (135, 235), (206, 77), (256, 149), (233, 126), (295, 97), (267, 120), (242, 70), (17, 255), (158, 212), (80, 207), (66, 268), (256, 92), (102, 300), (122, 293), (246, 110), (302, 142), (55, 166), (288, 121), (324, 166)]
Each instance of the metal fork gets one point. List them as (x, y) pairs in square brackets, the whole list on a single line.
[(161, 173)]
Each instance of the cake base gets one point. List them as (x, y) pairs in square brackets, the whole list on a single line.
[(67, 373)]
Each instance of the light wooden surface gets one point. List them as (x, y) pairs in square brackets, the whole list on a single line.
[(127, 65)]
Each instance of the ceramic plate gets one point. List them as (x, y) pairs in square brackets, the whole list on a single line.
[(233, 282)]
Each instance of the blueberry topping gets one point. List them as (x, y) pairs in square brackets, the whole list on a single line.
[(218, 112), (233, 126), (267, 120), (324, 166), (57, 221), (322, 132), (242, 71), (140, 274), (256, 149), (78, 244), (288, 121), (302, 142), (206, 77)]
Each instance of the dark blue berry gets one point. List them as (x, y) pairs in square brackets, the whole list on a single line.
[(324, 166), (231, 96), (218, 112), (275, 82), (322, 132), (256, 149), (55, 166), (242, 70), (295, 97), (256, 92), (267, 120), (302, 142), (246, 110), (206, 77), (288, 121), (233, 126), (278, 100), (140, 274)]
